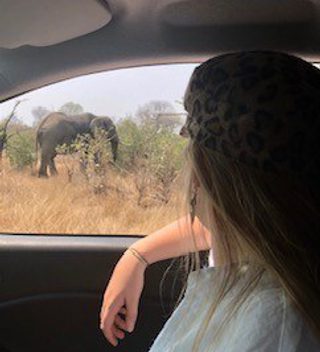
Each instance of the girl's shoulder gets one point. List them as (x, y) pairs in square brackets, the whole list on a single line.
[(266, 321), (269, 321)]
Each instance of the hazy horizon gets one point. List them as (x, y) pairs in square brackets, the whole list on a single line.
[(116, 93)]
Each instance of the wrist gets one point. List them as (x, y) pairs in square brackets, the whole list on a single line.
[(136, 262)]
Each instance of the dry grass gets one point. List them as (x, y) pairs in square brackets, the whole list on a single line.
[(55, 206)]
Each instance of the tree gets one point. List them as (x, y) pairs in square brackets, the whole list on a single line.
[(159, 114), (39, 112), (71, 108)]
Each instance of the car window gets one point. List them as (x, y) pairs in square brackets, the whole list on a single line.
[(107, 150)]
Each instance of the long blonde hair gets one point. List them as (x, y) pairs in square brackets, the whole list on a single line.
[(265, 218)]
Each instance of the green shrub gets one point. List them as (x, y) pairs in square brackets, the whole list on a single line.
[(153, 155), (20, 149), (131, 145), (93, 154)]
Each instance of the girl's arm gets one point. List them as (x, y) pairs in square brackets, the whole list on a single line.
[(124, 288), (174, 240)]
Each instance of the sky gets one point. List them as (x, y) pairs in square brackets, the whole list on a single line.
[(115, 93)]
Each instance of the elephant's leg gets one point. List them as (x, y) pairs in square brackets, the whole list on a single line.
[(43, 166), (114, 147), (52, 167), (97, 158)]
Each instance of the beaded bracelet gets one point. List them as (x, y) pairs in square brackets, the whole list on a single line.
[(138, 255)]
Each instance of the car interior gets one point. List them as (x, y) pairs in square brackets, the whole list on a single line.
[(51, 286)]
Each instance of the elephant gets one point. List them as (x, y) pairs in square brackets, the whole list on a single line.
[(58, 128)]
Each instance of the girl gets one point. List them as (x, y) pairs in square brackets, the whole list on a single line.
[(253, 184)]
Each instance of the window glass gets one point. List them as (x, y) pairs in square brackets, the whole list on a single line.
[(107, 150)]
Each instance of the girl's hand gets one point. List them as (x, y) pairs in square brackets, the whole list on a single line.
[(122, 296)]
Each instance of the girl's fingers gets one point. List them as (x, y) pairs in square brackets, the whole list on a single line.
[(120, 322), (117, 332), (110, 337), (109, 310), (131, 316), (107, 322), (107, 314), (112, 323)]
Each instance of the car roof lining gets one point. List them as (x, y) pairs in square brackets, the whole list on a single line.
[(47, 22), (146, 32)]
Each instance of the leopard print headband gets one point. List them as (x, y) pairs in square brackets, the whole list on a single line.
[(261, 108)]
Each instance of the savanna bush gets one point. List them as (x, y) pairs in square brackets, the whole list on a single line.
[(20, 149), (153, 154), (93, 155)]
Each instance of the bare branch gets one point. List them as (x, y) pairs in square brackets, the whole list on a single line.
[(17, 103)]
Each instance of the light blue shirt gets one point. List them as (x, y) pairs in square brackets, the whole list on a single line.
[(268, 322)]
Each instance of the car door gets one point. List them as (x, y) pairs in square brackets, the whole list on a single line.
[(51, 293)]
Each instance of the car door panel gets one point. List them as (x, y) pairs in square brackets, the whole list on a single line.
[(51, 289)]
